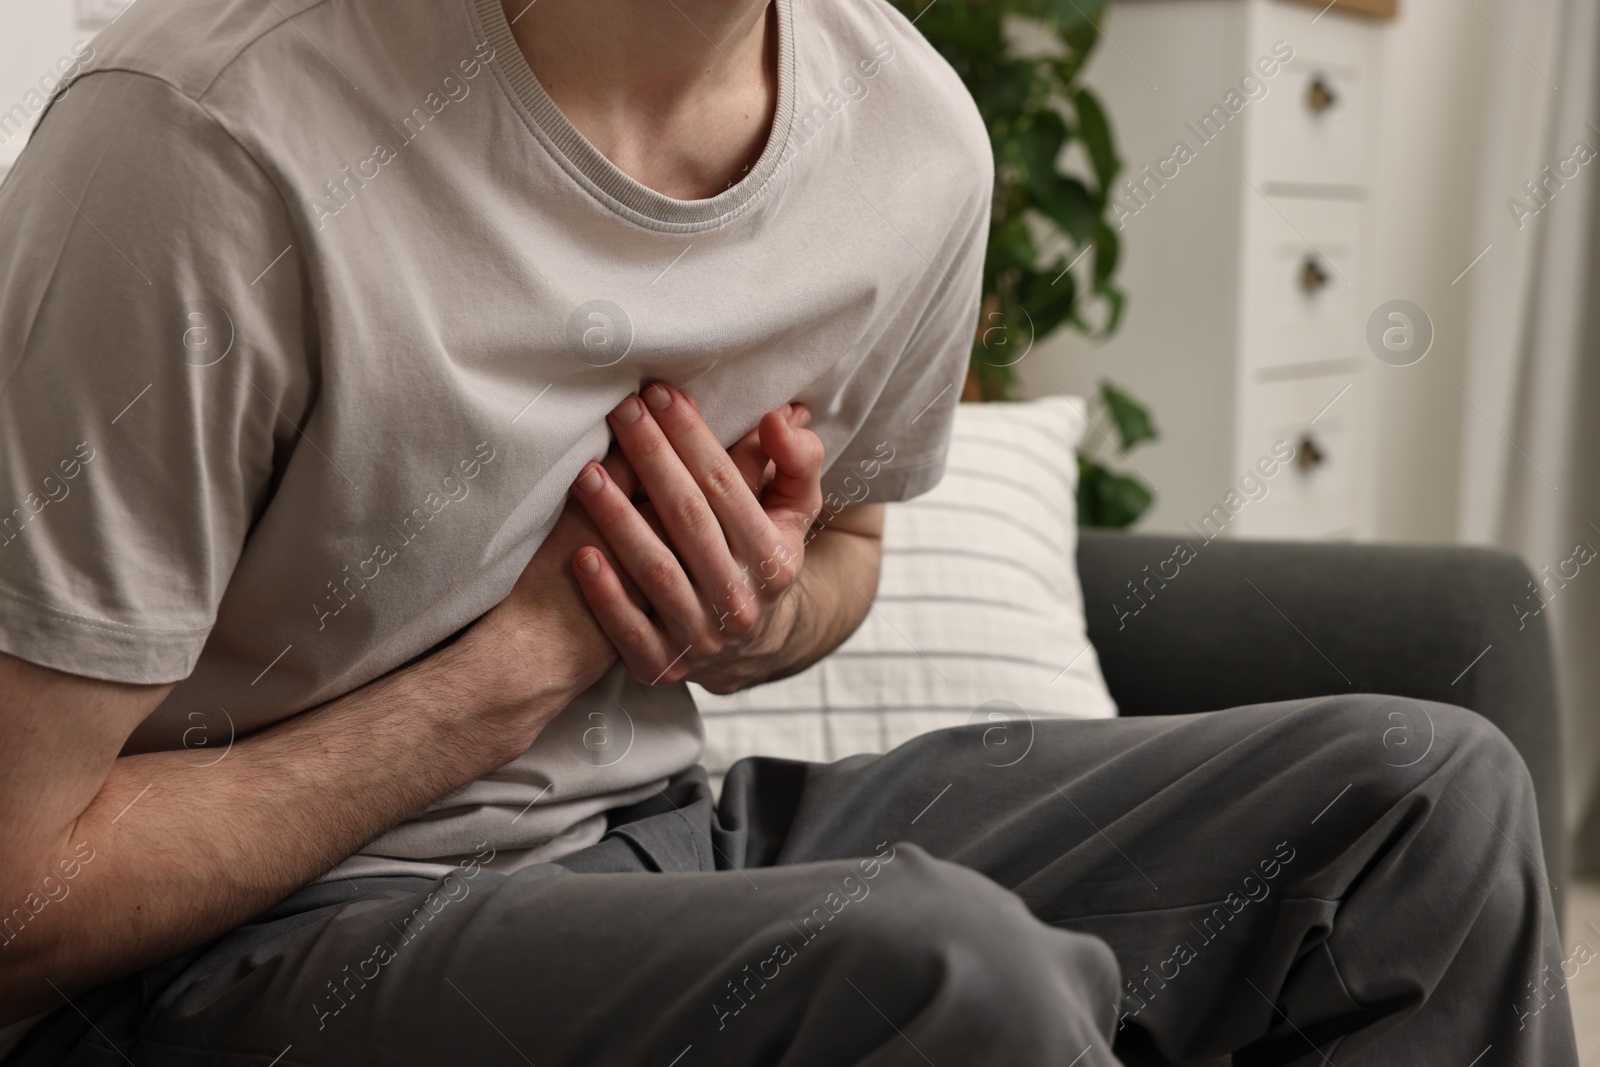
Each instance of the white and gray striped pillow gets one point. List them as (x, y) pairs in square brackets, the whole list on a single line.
[(979, 614)]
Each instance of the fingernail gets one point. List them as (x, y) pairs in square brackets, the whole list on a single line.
[(591, 480), (658, 398), (628, 411), (589, 564)]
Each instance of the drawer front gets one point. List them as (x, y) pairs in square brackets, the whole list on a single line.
[(1313, 124), (1313, 494), (1302, 265)]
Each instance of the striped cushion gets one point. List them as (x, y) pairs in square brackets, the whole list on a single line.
[(979, 616)]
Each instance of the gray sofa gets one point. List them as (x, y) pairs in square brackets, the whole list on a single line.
[(1406, 621)]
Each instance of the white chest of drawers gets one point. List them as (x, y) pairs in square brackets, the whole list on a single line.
[(1243, 259)]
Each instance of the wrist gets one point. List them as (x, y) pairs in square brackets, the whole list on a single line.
[(794, 652), (829, 599), (529, 661)]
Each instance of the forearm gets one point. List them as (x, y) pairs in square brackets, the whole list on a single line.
[(183, 846), (834, 592)]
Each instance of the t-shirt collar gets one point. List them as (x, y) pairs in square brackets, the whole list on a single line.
[(603, 178)]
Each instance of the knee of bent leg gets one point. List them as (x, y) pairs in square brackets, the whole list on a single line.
[(1473, 750), (1383, 734), (970, 943), (923, 894), (1458, 756)]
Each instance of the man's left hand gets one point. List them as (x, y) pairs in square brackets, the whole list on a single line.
[(715, 566)]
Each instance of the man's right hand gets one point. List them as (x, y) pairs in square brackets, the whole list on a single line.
[(543, 638)]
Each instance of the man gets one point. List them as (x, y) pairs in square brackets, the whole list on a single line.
[(343, 717)]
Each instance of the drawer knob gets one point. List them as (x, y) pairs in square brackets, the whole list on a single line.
[(1312, 276), (1308, 455), (1320, 95)]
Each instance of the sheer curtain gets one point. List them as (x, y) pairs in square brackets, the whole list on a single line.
[(1530, 473)]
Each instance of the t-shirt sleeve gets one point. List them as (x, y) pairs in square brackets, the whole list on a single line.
[(154, 363), (899, 451)]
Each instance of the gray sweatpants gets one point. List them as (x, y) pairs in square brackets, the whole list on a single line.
[(1291, 883)]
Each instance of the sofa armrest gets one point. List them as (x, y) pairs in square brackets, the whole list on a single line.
[(1245, 622)]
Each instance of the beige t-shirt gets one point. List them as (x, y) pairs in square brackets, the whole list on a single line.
[(306, 327)]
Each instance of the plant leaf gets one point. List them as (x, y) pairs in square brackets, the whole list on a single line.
[(1068, 204), (1095, 133), (1068, 16), (1132, 418), (1110, 500), (1048, 298), (1107, 250), (1011, 246)]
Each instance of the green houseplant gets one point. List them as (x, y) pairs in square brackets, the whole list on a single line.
[(1022, 61)]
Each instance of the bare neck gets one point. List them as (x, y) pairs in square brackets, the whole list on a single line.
[(679, 94)]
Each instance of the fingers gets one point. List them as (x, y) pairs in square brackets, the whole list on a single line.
[(713, 469), (704, 525), (745, 526), (754, 464), (643, 647), (651, 565), (794, 496), (697, 527), (621, 470), (673, 580)]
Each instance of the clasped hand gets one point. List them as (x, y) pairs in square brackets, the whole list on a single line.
[(709, 564)]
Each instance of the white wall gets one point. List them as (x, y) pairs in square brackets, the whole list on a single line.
[(36, 35), (1424, 196), (1180, 319)]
